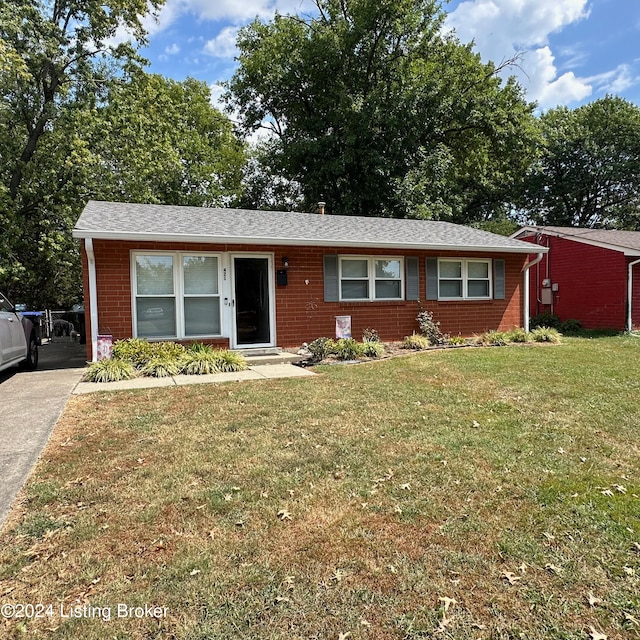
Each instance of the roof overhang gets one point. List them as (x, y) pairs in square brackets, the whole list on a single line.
[(290, 242), (529, 231)]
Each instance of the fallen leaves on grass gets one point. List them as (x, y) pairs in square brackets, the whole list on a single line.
[(447, 602), (510, 577), (596, 635), (283, 514), (592, 600)]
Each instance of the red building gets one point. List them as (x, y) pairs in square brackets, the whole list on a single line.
[(590, 275), (261, 279)]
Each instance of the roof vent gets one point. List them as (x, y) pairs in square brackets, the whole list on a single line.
[(321, 206)]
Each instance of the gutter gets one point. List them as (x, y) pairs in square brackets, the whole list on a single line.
[(630, 294), (295, 242), (526, 289), (93, 297)]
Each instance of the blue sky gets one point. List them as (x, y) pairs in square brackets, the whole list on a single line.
[(572, 51)]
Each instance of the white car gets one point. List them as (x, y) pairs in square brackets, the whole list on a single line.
[(18, 338)]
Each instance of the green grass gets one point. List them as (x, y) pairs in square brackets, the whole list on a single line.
[(349, 503)]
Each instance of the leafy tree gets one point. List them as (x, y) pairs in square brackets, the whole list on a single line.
[(80, 119), (57, 54), (377, 112), (161, 141), (589, 172)]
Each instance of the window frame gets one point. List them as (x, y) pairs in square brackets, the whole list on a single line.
[(464, 262), (371, 278), (178, 295)]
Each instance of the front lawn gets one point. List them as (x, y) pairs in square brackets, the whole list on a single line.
[(470, 493)]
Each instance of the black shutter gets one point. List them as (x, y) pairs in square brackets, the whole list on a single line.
[(412, 279), (498, 280), (432, 278)]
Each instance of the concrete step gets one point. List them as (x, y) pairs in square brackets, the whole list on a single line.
[(275, 358)]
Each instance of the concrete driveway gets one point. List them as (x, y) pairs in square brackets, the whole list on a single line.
[(30, 404)]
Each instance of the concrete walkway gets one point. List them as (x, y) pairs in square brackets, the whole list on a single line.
[(31, 403), (254, 372)]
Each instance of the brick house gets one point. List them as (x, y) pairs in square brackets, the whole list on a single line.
[(591, 275), (249, 279)]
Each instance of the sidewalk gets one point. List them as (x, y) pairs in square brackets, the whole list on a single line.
[(254, 372)]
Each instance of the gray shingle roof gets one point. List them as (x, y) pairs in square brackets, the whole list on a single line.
[(118, 220), (627, 242)]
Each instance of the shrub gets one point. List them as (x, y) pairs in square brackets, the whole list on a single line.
[(162, 366), (136, 351), (372, 349), (492, 338), (549, 320), (347, 349), (570, 326), (516, 335), (456, 340), (110, 370), (545, 334), (169, 350), (200, 362), (430, 329), (416, 341), (320, 348), (229, 361), (199, 347), (370, 335)]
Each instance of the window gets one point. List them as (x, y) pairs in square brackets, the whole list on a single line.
[(363, 278), (177, 295), (464, 279)]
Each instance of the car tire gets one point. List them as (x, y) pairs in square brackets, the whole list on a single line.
[(32, 353)]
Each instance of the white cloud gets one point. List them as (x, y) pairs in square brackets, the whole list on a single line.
[(172, 50), (502, 29), (216, 90), (224, 44), (615, 81), (237, 11), (544, 85)]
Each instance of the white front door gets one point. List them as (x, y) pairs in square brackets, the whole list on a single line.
[(252, 303)]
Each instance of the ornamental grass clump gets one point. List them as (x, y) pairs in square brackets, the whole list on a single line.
[(545, 334), (136, 351), (109, 370), (162, 366), (347, 349), (372, 349), (229, 361), (517, 335), (416, 341), (492, 339), (198, 363)]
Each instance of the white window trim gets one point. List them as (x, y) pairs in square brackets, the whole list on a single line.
[(371, 278), (465, 279), (178, 292)]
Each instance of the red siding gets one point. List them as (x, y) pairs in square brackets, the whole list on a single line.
[(592, 283), (301, 313)]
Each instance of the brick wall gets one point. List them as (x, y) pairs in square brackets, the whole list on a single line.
[(592, 283), (301, 313)]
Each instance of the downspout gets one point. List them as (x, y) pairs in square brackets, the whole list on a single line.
[(93, 297), (526, 289), (630, 294)]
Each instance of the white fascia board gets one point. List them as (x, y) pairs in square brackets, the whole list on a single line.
[(567, 236), (290, 242)]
